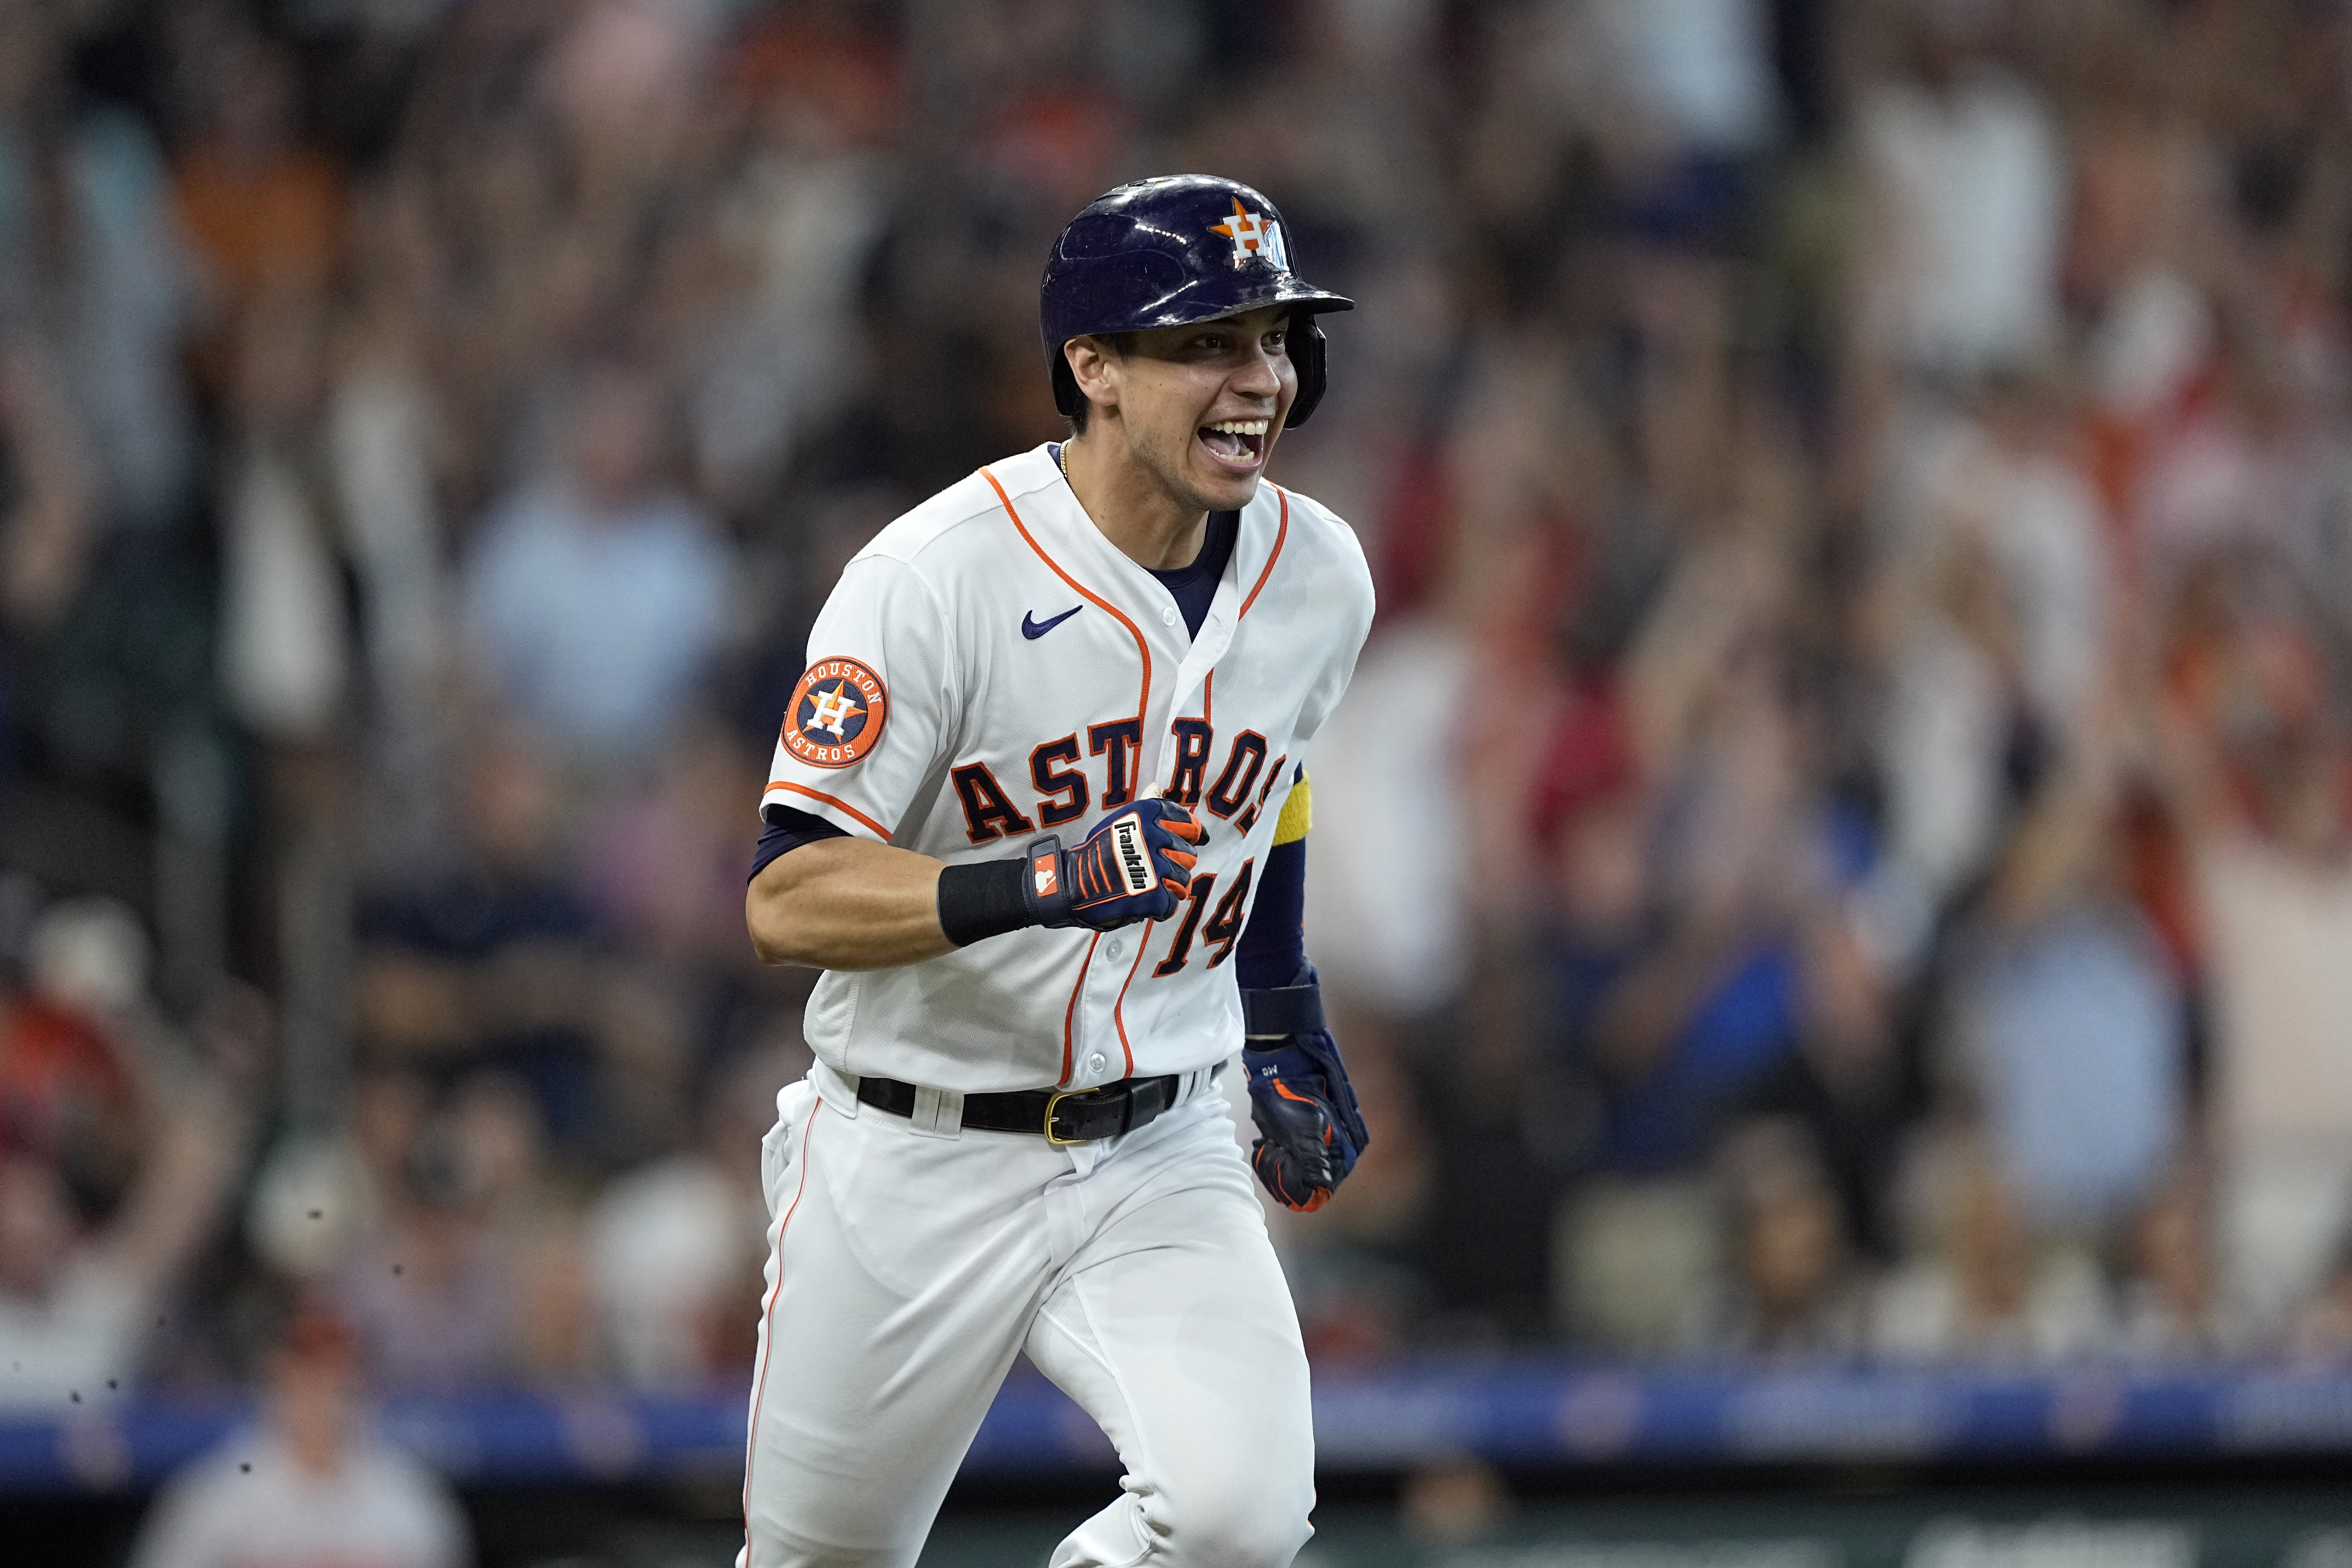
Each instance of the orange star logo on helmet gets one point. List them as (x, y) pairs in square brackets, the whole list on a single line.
[(1254, 235), (836, 713)]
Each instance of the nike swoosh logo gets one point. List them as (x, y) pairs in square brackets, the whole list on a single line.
[(1032, 629)]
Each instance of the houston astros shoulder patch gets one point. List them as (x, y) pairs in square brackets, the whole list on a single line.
[(836, 714)]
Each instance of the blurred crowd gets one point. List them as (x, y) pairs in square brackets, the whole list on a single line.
[(1840, 845)]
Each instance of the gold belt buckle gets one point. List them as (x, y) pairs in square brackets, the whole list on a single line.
[(1052, 1101)]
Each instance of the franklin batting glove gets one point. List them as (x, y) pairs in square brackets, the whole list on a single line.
[(1136, 866)]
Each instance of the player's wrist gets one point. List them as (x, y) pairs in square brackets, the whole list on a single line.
[(1044, 882), (1271, 1015), (983, 900)]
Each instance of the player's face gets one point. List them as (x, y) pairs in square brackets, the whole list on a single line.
[(1201, 404)]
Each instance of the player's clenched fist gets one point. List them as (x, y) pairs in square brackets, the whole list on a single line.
[(1136, 866), (1306, 1115), (1305, 1108)]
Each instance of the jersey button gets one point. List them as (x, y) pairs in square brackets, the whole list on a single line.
[(1096, 1063), (1167, 617), (1118, 948)]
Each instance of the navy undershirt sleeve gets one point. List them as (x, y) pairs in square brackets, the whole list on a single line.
[(788, 829), (1273, 948)]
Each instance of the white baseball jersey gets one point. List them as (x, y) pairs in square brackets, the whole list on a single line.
[(990, 667)]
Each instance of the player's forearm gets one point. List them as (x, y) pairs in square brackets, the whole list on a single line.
[(850, 903), (846, 903)]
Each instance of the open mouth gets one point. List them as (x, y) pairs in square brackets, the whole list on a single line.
[(1237, 445)]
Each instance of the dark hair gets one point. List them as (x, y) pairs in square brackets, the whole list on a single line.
[(1119, 344)]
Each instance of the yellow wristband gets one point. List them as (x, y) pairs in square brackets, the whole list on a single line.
[(1297, 813)]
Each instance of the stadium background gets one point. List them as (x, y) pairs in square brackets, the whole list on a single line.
[(1835, 873)]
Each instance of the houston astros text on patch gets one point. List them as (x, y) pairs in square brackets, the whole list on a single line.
[(1038, 810)]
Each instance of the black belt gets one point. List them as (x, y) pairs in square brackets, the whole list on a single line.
[(1061, 1115)]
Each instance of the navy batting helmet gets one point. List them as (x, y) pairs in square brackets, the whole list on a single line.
[(1171, 251)]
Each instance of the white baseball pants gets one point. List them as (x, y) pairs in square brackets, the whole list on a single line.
[(906, 1268)]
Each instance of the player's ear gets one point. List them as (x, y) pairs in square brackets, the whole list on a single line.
[(1096, 369)]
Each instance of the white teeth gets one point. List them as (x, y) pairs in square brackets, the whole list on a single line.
[(1241, 426)]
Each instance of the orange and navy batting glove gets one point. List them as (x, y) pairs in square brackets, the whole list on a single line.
[(1311, 1131), (1136, 866)]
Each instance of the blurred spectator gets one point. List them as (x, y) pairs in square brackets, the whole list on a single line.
[(383, 435), (2257, 474), (50, 518), (1967, 188), (807, 209), (1453, 1503), (596, 593), (2141, 239), (2003, 622), (286, 632), (1709, 996), (496, 1139), (676, 1243), (1398, 943), (312, 1487), (1696, 73), (2254, 760), (317, 1197), (2277, 899), (91, 265), (664, 863), (79, 1299), (1793, 1289), (2070, 1019), (2172, 1310), (263, 211), (432, 1295), (471, 1268), (1973, 1285), (69, 1086), (493, 958)]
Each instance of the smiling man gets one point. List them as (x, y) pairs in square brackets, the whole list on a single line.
[(1039, 810)]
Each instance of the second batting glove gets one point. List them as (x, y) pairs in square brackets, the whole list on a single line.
[(1305, 1108)]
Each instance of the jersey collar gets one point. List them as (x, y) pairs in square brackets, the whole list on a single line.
[(1180, 666), (1256, 542)]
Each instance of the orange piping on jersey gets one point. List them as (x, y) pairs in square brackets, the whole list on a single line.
[(767, 1315), (1143, 701), (1142, 710), (1071, 1012), (1208, 699), (879, 831), (1119, 1008), (1280, 534)]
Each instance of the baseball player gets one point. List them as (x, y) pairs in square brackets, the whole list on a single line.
[(1038, 810)]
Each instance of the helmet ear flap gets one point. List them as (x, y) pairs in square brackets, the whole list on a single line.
[(1307, 349), (1067, 395)]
